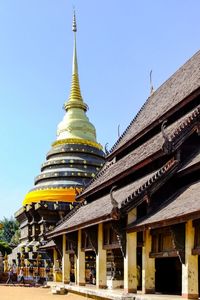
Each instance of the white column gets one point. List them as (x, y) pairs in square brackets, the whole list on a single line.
[(55, 264), (148, 266), (80, 266), (190, 268), (130, 263), (101, 280), (65, 263)]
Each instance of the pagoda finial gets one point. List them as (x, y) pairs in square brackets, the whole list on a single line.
[(75, 64), (74, 28), (75, 99)]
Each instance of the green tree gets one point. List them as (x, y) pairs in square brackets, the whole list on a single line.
[(10, 226), (4, 248), (15, 238)]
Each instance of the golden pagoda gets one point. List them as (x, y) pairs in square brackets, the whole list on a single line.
[(75, 156), (72, 162)]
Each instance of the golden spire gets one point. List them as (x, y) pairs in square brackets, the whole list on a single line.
[(75, 99)]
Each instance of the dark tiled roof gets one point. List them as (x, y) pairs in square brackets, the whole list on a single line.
[(48, 245), (180, 85), (100, 208), (146, 150), (185, 202), (193, 161), (168, 167)]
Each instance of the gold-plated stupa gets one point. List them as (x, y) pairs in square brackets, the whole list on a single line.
[(75, 156)]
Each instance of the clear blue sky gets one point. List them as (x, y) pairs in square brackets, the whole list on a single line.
[(118, 42)]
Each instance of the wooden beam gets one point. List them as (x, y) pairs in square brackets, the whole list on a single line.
[(166, 222), (80, 226), (171, 253)]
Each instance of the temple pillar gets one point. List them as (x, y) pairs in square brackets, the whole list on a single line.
[(190, 268), (130, 263), (80, 263), (55, 266), (65, 263), (101, 279), (148, 266)]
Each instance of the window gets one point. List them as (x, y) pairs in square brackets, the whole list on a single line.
[(162, 241)]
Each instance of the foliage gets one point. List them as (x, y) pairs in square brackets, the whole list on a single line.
[(4, 248), (15, 238), (10, 226)]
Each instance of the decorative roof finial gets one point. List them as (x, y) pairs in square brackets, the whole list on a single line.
[(118, 131), (106, 149), (151, 84), (113, 201), (115, 213), (165, 136)]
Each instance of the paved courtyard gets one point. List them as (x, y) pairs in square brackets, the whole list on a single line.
[(33, 293)]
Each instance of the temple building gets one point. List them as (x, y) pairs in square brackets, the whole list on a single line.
[(138, 225), (72, 162)]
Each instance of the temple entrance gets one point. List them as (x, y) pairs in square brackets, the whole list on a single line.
[(168, 277), (90, 267)]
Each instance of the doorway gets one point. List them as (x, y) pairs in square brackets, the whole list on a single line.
[(168, 277)]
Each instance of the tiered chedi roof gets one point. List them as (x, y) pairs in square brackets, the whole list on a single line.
[(75, 156)]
